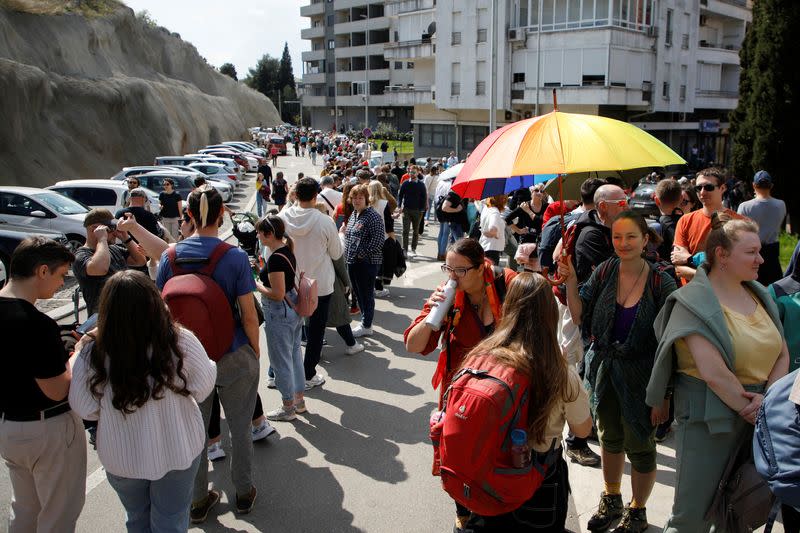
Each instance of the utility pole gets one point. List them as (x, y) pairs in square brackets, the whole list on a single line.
[(366, 71), (538, 56), (493, 69)]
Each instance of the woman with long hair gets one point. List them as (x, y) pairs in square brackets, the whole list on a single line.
[(381, 200), (282, 324), (142, 381), (493, 227), (720, 348), (475, 312), (345, 208), (616, 308), (555, 396)]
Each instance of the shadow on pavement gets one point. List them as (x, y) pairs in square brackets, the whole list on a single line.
[(371, 371)]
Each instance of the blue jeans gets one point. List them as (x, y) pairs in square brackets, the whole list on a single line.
[(260, 204), (456, 232), (282, 327), (444, 237), (362, 277), (161, 505)]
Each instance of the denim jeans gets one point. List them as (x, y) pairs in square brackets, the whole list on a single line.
[(161, 505), (260, 204), (282, 327), (456, 232), (444, 237), (362, 276), (315, 332), (237, 387)]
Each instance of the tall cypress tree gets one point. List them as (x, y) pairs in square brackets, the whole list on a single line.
[(286, 82), (765, 124)]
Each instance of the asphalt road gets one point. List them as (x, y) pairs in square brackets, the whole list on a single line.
[(360, 459)]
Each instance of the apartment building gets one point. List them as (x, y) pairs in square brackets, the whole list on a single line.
[(345, 74), (668, 66)]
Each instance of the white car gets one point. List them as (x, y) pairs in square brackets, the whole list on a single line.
[(127, 172), (108, 194), (215, 171), (250, 147), (43, 209)]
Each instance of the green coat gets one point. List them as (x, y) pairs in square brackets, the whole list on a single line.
[(339, 308), (694, 309)]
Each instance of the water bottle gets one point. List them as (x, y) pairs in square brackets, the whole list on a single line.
[(520, 453), (439, 311)]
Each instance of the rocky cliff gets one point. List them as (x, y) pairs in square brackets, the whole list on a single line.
[(83, 96)]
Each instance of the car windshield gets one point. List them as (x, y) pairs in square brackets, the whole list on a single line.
[(60, 203)]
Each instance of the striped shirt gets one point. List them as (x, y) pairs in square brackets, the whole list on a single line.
[(160, 436)]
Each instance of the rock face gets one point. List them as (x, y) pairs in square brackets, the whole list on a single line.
[(81, 97)]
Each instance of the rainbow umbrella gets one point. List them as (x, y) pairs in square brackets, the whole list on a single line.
[(557, 144)]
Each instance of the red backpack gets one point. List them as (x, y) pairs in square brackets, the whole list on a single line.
[(471, 438), (198, 303)]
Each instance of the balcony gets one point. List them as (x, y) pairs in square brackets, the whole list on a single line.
[(361, 25), (401, 7), (358, 100), (315, 101), (715, 99), (716, 53), (408, 96), (634, 97), (358, 75), (312, 33), (315, 8), (409, 50), (313, 55), (314, 77), (737, 9)]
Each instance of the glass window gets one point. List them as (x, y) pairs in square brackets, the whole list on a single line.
[(92, 196), (436, 136), (482, 35), (519, 77), (17, 204), (471, 136), (409, 65), (455, 37), (480, 88), (331, 44)]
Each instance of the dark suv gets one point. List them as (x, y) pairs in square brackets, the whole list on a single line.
[(10, 237)]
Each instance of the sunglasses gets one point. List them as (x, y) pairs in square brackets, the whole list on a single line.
[(460, 272), (619, 203), (708, 187)]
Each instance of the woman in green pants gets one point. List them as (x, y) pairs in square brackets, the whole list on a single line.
[(721, 346)]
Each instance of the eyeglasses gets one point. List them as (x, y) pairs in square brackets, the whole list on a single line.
[(460, 272), (620, 203), (708, 187)]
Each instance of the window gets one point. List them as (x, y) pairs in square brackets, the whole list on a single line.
[(331, 44), (410, 65), (331, 91), (91, 196), (455, 89), (471, 136), (480, 88), (398, 65), (482, 35), (455, 37), (436, 136), (519, 77), (16, 204), (668, 33), (665, 90), (330, 20), (390, 113)]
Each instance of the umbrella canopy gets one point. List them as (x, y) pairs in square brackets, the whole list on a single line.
[(541, 148), (451, 172)]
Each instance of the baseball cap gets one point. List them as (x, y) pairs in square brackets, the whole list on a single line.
[(139, 192), (762, 178), (97, 216)]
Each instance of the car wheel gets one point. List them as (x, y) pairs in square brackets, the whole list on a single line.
[(74, 242)]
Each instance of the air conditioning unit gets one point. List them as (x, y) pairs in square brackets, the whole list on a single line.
[(516, 34), (652, 31), (703, 20), (527, 114)]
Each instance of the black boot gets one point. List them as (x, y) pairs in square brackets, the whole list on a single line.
[(610, 509)]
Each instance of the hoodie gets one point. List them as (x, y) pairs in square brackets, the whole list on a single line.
[(316, 243)]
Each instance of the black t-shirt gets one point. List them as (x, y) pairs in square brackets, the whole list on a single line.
[(91, 286), (145, 218), (279, 191), (520, 218), (276, 263), (266, 170), (454, 200), (169, 204), (33, 350)]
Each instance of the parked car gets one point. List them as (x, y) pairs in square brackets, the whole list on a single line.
[(215, 171), (128, 172), (40, 209), (228, 153), (167, 160), (230, 164), (253, 159), (184, 182), (279, 142), (10, 237), (250, 147), (108, 194)]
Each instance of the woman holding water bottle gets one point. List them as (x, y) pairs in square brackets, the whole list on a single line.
[(461, 312)]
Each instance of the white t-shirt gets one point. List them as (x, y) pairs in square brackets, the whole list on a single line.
[(333, 198), (491, 218)]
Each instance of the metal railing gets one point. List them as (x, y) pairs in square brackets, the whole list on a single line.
[(402, 44), (716, 93)]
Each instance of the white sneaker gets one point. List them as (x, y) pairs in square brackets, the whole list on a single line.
[(262, 431), (383, 293), (282, 414), (412, 253), (361, 331), (354, 349), (271, 383), (215, 452), (316, 381)]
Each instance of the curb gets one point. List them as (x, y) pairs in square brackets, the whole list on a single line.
[(59, 313)]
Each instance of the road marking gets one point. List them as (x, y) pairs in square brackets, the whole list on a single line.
[(94, 479)]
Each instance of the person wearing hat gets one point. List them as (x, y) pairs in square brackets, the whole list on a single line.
[(100, 257), (138, 200), (769, 213)]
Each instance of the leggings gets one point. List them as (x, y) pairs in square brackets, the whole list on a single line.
[(213, 425)]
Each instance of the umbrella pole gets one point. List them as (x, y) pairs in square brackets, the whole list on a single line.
[(558, 280)]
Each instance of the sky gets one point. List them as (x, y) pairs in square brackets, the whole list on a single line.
[(234, 31)]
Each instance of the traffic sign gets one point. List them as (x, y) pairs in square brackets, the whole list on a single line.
[(367, 133)]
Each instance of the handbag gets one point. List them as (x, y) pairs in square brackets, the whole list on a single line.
[(743, 501)]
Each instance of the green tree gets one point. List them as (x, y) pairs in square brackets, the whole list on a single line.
[(287, 84), (264, 77), (229, 70), (764, 125)]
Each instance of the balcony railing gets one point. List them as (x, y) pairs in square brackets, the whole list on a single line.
[(730, 47), (716, 93), (399, 7)]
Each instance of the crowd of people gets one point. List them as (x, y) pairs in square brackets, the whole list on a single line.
[(596, 347)]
